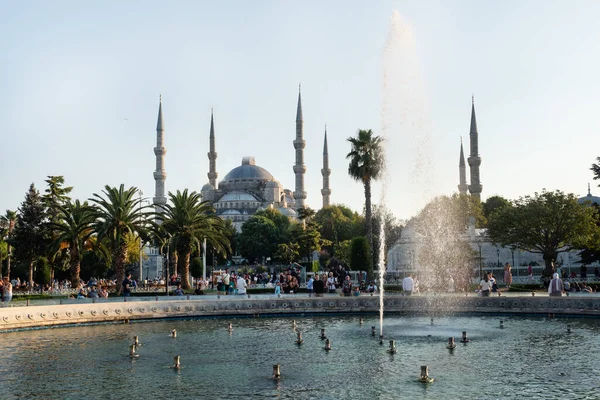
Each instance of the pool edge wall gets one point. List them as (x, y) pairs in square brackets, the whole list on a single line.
[(102, 311)]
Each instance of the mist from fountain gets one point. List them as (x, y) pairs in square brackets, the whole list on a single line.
[(403, 127)]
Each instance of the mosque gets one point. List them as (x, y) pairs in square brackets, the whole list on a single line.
[(247, 188)]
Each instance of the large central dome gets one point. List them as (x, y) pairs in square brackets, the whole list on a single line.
[(248, 171)]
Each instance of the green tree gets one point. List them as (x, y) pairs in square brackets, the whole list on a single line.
[(73, 227), (258, 239), (548, 223), (287, 253), (55, 196), (360, 255), (196, 267), (338, 223), (366, 164), (29, 235), (7, 224), (119, 212), (189, 221), (493, 204)]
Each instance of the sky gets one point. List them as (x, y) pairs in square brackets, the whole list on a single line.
[(81, 84)]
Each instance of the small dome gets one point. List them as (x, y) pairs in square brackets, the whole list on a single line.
[(248, 171), (589, 198), (288, 212), (207, 187), (231, 212), (237, 196)]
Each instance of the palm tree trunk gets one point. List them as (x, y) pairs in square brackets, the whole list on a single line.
[(8, 263), (119, 258), (174, 263), (184, 266), (75, 267), (368, 215), (30, 275)]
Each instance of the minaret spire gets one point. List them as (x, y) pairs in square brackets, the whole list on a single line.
[(160, 175), (326, 192), (299, 167), (474, 160), (212, 154), (462, 171)]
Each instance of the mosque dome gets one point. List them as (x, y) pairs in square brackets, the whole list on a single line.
[(237, 196), (248, 171), (207, 187), (589, 198), (288, 212)]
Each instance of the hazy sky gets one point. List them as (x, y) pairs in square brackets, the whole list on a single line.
[(81, 82)]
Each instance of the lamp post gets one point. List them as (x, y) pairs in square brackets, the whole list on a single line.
[(480, 261), (167, 266), (498, 254), (512, 253), (141, 242)]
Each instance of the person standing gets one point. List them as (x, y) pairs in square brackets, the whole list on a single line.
[(347, 286), (226, 278), (6, 290), (556, 286), (241, 285), (507, 275), (127, 285), (310, 286), (318, 286), (408, 285), (331, 283)]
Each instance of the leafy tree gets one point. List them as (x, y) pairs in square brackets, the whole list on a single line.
[(29, 235), (366, 164), (548, 223), (360, 255), (282, 223), (258, 239), (55, 196), (43, 271), (493, 204), (196, 267), (343, 252), (338, 223), (7, 224), (73, 227), (287, 253), (119, 212), (190, 220)]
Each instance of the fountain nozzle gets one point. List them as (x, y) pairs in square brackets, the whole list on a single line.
[(464, 338), (373, 333), (176, 362), (424, 377), (276, 371), (322, 336), (451, 345), (392, 349)]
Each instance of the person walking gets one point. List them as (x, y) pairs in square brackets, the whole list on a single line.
[(127, 285), (241, 285)]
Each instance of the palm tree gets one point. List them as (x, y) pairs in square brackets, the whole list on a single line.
[(189, 220), (8, 221), (73, 230), (118, 213), (366, 164)]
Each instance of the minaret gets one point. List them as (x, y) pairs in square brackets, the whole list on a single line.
[(212, 155), (326, 192), (160, 175), (462, 171), (474, 159), (299, 167)]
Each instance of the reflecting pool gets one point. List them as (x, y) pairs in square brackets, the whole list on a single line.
[(529, 358)]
